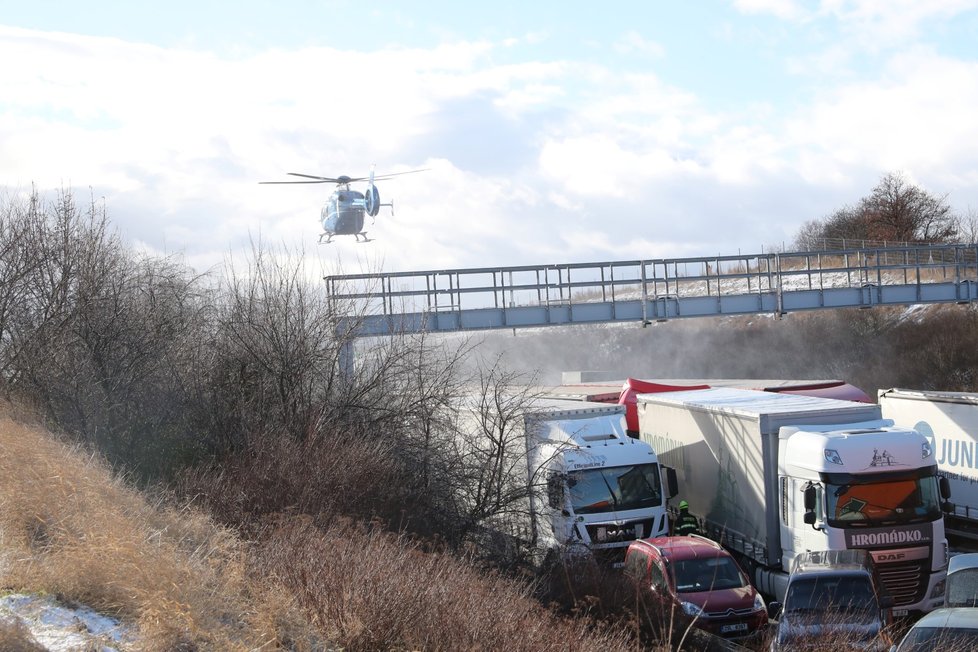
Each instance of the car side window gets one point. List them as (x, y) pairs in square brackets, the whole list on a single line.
[(636, 563), (656, 577)]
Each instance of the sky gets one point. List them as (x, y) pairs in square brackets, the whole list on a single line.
[(549, 132)]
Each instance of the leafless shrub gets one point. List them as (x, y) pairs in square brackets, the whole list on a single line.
[(370, 590), (93, 335), (322, 477)]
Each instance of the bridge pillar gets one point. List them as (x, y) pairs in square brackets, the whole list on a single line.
[(345, 338)]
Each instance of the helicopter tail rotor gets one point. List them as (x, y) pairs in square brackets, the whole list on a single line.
[(371, 200)]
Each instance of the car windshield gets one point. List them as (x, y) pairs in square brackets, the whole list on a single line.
[(962, 588), (593, 491), (927, 639), (706, 574), (830, 593), (890, 502)]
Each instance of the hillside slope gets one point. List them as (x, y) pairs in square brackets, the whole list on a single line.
[(69, 528)]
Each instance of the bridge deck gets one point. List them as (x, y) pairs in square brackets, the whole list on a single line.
[(653, 290)]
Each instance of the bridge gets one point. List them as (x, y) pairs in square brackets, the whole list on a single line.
[(645, 291)]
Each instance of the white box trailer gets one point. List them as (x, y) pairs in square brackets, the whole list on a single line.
[(774, 475), (950, 421)]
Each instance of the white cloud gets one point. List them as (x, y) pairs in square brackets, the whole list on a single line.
[(631, 42), (889, 22), (784, 9), (592, 160), (920, 116)]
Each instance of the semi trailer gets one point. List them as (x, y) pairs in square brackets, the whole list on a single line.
[(773, 475), (949, 420)]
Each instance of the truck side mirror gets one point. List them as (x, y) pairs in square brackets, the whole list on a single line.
[(809, 499), (773, 609), (555, 490), (945, 488), (672, 482)]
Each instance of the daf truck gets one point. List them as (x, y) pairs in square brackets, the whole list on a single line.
[(591, 487), (949, 420), (772, 476)]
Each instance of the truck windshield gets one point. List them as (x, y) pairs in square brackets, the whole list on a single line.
[(593, 491), (888, 502), (845, 593)]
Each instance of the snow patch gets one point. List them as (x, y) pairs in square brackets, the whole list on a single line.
[(62, 628)]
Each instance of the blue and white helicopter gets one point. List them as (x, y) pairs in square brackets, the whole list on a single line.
[(344, 211)]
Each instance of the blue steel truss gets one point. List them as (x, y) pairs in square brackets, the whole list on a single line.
[(651, 290)]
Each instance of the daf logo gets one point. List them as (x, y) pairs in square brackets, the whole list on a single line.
[(889, 556)]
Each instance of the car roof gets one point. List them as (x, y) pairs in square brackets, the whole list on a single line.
[(684, 547), (832, 561), (962, 561), (953, 617)]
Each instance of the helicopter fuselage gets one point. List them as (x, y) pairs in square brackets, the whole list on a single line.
[(343, 212)]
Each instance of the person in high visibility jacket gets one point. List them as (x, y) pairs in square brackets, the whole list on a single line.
[(686, 524)]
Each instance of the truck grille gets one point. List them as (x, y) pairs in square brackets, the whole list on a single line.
[(904, 582), (613, 533)]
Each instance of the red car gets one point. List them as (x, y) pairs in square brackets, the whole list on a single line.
[(703, 579)]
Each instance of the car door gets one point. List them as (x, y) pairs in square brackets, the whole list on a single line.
[(636, 564), (658, 580)]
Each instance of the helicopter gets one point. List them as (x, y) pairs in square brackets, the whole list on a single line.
[(344, 211)]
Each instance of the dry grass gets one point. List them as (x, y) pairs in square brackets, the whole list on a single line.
[(372, 590), (69, 528), (15, 637)]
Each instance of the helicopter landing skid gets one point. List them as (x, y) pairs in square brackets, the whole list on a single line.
[(362, 234)]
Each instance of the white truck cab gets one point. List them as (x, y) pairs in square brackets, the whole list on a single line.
[(870, 486)]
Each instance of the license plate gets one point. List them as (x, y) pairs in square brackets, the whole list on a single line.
[(900, 613), (736, 627)]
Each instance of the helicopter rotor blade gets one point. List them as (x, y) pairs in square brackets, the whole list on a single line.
[(344, 179), (312, 176), (281, 182), (397, 174)]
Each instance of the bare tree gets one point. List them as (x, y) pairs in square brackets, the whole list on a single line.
[(94, 335), (896, 211), (900, 211), (809, 236), (483, 460), (843, 227), (967, 226)]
